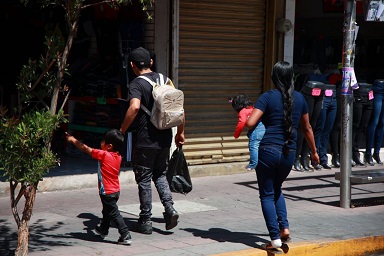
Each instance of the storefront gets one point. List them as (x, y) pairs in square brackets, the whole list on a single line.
[(319, 39), (211, 49), (220, 53)]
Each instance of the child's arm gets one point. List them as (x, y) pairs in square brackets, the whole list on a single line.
[(239, 128), (242, 119), (78, 144)]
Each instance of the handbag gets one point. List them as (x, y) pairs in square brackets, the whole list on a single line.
[(178, 176)]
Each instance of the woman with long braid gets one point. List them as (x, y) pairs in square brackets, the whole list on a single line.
[(282, 110)]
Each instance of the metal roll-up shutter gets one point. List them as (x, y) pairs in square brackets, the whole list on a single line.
[(221, 52)]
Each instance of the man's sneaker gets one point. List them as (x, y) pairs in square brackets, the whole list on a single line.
[(170, 216), (125, 239), (144, 227), (100, 232)]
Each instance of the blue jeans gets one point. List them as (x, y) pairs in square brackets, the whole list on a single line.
[(255, 136), (375, 129), (362, 110), (324, 126), (271, 171), (314, 107)]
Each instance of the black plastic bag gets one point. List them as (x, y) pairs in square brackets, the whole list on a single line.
[(178, 174)]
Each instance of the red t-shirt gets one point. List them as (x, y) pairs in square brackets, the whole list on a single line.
[(108, 171), (242, 119)]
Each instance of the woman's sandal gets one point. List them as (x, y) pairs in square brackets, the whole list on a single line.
[(285, 238), (284, 235), (269, 248)]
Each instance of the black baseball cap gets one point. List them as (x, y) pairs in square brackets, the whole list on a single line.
[(140, 57)]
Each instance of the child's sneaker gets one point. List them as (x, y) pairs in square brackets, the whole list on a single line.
[(100, 232), (125, 239), (248, 168)]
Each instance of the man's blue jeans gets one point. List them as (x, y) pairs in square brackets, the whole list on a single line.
[(255, 136), (272, 169), (375, 129)]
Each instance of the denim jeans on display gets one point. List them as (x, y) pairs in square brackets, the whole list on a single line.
[(362, 109), (375, 129), (255, 137), (271, 171), (148, 165), (314, 108), (324, 125), (334, 139), (111, 213)]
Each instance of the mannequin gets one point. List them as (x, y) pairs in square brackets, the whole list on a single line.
[(313, 95), (362, 109), (375, 129)]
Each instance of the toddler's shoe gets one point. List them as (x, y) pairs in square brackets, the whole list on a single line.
[(249, 168), (125, 239), (100, 232)]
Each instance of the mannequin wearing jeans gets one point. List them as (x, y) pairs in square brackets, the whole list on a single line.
[(375, 129), (362, 109), (314, 98), (325, 123), (334, 139)]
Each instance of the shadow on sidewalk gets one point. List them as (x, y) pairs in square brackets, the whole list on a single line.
[(308, 187), (90, 223), (223, 235), (39, 237), (8, 239)]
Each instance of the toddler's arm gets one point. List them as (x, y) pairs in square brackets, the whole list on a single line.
[(78, 144)]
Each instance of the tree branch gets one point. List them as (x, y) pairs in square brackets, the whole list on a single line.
[(65, 99), (13, 184), (41, 76), (98, 3)]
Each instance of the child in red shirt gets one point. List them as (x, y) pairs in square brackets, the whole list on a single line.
[(108, 181), (243, 107)]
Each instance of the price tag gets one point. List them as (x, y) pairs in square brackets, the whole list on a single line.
[(102, 101), (328, 93), (316, 92), (370, 95)]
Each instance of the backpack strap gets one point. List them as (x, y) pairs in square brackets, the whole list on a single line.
[(162, 79)]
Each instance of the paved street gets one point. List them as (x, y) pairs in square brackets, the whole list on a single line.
[(221, 215)]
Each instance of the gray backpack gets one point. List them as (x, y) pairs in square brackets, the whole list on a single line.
[(168, 107)]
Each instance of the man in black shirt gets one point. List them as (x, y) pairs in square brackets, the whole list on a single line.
[(151, 146)]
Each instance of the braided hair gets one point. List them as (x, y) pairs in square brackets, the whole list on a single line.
[(282, 77)]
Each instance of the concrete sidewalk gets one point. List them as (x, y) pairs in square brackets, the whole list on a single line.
[(221, 216)]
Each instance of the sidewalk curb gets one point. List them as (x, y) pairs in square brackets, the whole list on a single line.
[(356, 247)]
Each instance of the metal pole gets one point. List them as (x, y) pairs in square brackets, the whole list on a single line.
[(347, 102)]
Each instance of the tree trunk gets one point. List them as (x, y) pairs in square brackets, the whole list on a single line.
[(22, 241), (23, 228)]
